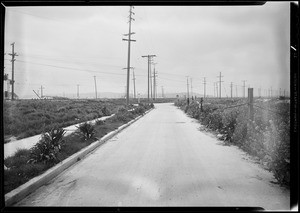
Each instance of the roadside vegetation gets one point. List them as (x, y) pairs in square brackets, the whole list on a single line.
[(25, 118), (54, 147), (267, 137)]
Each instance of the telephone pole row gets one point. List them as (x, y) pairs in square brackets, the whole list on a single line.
[(149, 59)]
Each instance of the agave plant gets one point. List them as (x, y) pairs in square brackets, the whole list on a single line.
[(87, 130), (47, 148)]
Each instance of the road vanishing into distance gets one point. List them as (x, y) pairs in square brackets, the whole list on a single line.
[(163, 159)]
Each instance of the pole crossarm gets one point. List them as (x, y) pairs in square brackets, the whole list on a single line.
[(128, 39)]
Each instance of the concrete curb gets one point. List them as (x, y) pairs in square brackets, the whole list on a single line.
[(22, 191)]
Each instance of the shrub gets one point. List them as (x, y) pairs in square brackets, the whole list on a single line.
[(267, 136), (105, 111), (100, 122), (47, 148), (87, 130)]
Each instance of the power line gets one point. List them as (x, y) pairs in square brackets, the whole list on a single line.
[(71, 68)]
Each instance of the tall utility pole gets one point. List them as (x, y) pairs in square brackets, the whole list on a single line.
[(13, 55), (134, 92), (154, 81), (191, 87), (220, 84), (151, 88), (128, 58), (271, 92), (279, 91), (42, 91), (187, 86), (154, 84), (244, 88), (77, 91), (214, 89), (95, 86), (205, 87), (217, 89), (149, 58), (231, 89)]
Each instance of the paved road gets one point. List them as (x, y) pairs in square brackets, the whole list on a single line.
[(163, 160)]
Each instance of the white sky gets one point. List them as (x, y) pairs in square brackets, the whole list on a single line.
[(60, 47)]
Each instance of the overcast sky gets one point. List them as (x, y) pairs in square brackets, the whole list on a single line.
[(61, 47)]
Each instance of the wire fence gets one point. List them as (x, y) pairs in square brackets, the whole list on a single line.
[(239, 105)]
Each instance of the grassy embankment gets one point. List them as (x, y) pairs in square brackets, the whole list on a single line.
[(267, 137), (25, 118)]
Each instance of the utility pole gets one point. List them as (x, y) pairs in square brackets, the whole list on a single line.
[(231, 89), (77, 91), (279, 92), (271, 92), (128, 58), (220, 84), (149, 58), (244, 88), (217, 89), (151, 89), (133, 83), (191, 87), (204, 83), (187, 85), (214, 89), (95, 86), (154, 84), (236, 91), (162, 91), (13, 55), (42, 91), (154, 81)]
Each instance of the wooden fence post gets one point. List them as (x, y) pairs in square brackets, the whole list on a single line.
[(250, 104)]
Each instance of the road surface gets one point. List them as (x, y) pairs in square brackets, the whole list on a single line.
[(163, 160)]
